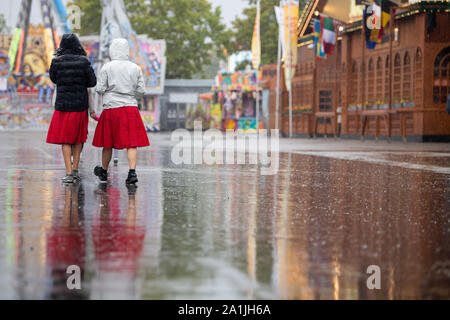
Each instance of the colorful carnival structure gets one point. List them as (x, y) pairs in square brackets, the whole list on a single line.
[(149, 54), (234, 101), (25, 57)]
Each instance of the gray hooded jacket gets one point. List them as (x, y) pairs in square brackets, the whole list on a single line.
[(120, 82)]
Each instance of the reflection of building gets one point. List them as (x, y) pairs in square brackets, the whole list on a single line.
[(327, 234), (26, 219), (404, 97)]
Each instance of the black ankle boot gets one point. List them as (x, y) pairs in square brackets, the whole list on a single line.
[(132, 177), (101, 173)]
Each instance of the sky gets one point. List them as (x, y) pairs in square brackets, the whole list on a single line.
[(10, 10), (230, 8)]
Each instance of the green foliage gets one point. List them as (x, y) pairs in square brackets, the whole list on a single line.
[(3, 27), (193, 30), (91, 16), (242, 65)]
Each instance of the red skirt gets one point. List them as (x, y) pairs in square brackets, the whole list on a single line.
[(120, 128), (68, 127)]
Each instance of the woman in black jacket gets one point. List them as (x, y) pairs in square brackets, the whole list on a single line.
[(72, 73)]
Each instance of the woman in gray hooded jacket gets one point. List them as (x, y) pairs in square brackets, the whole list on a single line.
[(121, 85)]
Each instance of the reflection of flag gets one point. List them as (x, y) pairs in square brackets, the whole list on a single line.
[(256, 42), (328, 35), (318, 49)]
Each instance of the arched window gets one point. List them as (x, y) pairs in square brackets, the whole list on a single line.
[(406, 83), (441, 82), (370, 83), (418, 78), (397, 85), (386, 80), (379, 80)]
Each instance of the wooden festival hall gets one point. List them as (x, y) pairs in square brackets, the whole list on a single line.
[(359, 92)]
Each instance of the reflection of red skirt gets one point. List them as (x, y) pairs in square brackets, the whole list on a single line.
[(120, 128), (68, 127)]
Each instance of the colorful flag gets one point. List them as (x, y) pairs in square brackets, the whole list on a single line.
[(385, 16), (13, 48), (375, 21), (328, 35), (280, 19), (370, 44), (290, 15), (375, 18), (318, 49), (256, 42)]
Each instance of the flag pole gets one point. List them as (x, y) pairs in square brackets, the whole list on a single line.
[(391, 58), (257, 75), (277, 108), (290, 70)]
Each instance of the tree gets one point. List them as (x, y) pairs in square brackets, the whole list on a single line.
[(243, 29), (91, 16), (3, 27), (242, 65), (193, 30)]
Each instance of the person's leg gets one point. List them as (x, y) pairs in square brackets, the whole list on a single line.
[(77, 147), (132, 158), (106, 157), (116, 156), (102, 171), (67, 154)]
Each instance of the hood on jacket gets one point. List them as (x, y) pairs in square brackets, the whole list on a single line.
[(119, 49), (70, 44)]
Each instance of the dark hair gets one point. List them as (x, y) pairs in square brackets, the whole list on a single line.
[(70, 45)]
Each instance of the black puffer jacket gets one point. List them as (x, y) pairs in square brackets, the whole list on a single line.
[(72, 73)]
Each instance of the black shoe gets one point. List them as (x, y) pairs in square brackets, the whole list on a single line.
[(131, 189), (68, 178), (132, 178), (76, 176), (101, 173)]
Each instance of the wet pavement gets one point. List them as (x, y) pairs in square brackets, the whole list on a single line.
[(226, 231)]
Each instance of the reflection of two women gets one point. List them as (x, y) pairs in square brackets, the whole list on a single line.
[(66, 244), (118, 241)]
